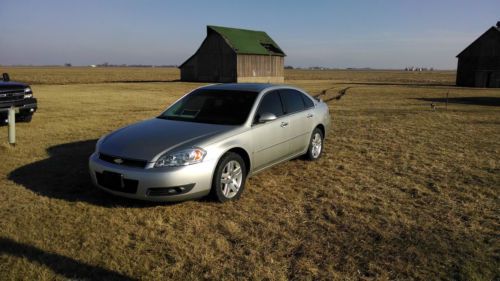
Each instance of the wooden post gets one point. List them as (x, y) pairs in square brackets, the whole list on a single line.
[(12, 126), (447, 99)]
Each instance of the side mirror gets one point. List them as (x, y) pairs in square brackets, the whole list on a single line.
[(267, 117), (6, 77)]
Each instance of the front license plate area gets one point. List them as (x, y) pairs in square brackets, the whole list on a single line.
[(112, 179), (116, 182)]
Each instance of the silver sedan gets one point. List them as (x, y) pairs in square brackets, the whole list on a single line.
[(209, 142)]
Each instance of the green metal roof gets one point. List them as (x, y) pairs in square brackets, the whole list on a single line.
[(245, 41)]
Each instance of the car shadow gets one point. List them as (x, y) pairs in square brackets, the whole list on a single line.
[(65, 266), (65, 175), (488, 101)]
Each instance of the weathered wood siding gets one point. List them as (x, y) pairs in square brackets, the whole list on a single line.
[(214, 61), (261, 69), (479, 64), (188, 70)]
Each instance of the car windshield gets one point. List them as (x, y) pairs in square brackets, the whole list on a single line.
[(212, 106)]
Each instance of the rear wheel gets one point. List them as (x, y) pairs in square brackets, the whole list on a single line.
[(315, 145), (229, 178)]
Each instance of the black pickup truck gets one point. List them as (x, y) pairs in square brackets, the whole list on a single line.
[(18, 95)]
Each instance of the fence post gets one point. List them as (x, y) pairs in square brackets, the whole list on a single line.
[(447, 93), (12, 126)]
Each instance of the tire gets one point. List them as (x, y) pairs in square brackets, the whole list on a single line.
[(229, 178), (315, 145)]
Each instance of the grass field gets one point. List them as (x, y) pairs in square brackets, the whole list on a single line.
[(80, 75), (402, 192)]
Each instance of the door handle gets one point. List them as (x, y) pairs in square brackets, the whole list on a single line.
[(310, 115), (284, 124)]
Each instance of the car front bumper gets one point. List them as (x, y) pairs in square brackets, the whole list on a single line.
[(166, 184)]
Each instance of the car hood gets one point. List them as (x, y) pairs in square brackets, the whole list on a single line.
[(147, 139), (12, 85)]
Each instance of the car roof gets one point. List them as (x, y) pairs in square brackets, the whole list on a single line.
[(253, 87)]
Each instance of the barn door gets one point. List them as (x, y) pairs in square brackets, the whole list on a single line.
[(495, 79), (480, 79), (489, 76)]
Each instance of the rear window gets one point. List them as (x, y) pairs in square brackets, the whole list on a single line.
[(213, 106)]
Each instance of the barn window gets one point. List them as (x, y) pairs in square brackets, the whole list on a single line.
[(271, 48)]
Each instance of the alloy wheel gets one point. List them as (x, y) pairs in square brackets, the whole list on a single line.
[(316, 143), (231, 179)]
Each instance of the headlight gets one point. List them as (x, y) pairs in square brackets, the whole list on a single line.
[(181, 158), (28, 93)]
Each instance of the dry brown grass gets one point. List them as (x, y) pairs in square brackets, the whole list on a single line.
[(79, 75), (374, 76), (402, 192)]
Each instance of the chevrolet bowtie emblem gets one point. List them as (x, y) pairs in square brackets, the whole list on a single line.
[(118, 160)]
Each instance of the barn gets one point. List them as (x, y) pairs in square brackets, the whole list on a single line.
[(235, 55), (479, 63)]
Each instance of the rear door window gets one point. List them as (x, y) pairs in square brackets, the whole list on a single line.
[(307, 101), (292, 100)]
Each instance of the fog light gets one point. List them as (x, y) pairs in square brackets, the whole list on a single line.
[(167, 191)]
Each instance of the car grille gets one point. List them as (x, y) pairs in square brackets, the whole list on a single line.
[(12, 91), (123, 161), (11, 95), (116, 182)]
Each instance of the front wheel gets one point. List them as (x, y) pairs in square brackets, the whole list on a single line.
[(315, 145), (229, 178)]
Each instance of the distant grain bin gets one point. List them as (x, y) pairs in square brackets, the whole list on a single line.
[(479, 63), (235, 55)]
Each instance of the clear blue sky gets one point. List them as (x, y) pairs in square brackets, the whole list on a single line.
[(371, 33)]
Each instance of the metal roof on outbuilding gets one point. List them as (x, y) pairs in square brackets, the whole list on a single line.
[(244, 41)]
